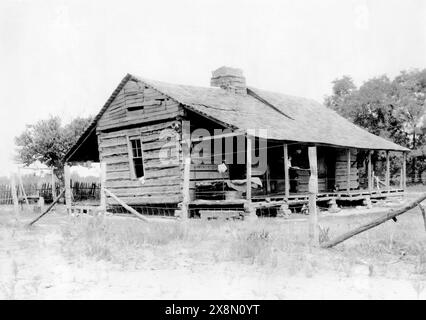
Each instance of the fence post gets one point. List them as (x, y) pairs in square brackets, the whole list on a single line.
[(67, 178), (14, 195), (53, 185), (21, 185), (103, 181)]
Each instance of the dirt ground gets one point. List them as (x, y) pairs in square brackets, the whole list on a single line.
[(84, 257)]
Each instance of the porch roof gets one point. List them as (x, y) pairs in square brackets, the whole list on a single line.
[(285, 117)]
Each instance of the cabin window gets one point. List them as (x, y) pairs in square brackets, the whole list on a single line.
[(137, 159)]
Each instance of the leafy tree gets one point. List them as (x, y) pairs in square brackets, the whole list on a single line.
[(342, 89), (48, 141), (393, 109)]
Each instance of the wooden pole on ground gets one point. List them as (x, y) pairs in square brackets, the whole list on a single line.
[(348, 173), (393, 213), (67, 178), (313, 191), (369, 173), (286, 173), (387, 179), (125, 206), (103, 201), (14, 195), (48, 208)]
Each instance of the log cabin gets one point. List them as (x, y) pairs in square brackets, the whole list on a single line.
[(183, 150)]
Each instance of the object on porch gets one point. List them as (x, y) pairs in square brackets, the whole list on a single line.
[(226, 189)]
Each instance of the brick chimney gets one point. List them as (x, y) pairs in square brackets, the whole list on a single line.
[(230, 79)]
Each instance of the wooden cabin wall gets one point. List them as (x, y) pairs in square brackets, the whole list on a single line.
[(340, 174), (342, 169), (303, 182), (150, 113), (137, 104), (162, 180)]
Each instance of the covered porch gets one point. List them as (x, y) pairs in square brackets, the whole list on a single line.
[(340, 175)]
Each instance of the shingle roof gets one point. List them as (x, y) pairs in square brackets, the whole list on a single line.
[(285, 117)]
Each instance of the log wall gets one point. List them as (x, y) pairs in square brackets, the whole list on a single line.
[(137, 104), (340, 174), (342, 169), (153, 117)]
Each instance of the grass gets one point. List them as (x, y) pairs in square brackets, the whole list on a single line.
[(267, 243), (269, 246)]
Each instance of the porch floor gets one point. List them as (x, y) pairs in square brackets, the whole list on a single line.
[(296, 198)]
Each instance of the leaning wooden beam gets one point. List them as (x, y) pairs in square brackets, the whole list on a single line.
[(48, 209), (313, 191), (393, 213), (125, 206)]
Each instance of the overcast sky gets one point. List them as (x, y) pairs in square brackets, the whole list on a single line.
[(66, 57)]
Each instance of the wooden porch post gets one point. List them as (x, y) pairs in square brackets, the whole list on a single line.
[(186, 152), (387, 179), (313, 190), (348, 177), (369, 172), (103, 205), (249, 208), (286, 173), (248, 168), (186, 179), (404, 171), (67, 182)]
